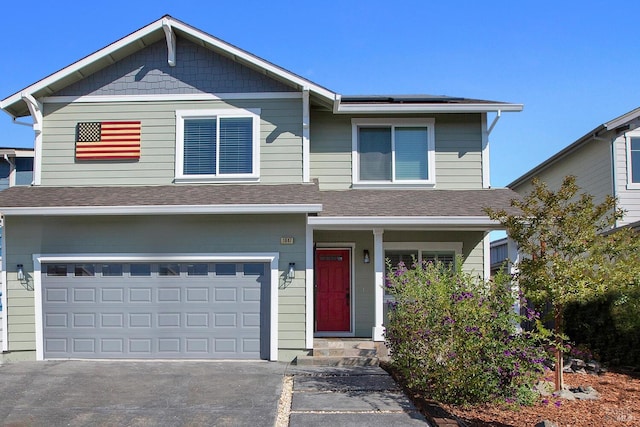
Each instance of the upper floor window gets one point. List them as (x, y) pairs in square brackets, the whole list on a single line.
[(217, 145), (399, 151), (634, 160)]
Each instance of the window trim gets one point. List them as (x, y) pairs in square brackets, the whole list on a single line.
[(629, 164), (429, 123), (421, 247), (181, 115)]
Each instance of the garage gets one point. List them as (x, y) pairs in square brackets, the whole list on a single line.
[(155, 310)]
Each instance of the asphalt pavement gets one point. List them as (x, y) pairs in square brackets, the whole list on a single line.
[(197, 393)]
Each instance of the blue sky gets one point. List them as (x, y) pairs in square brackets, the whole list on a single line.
[(574, 65)]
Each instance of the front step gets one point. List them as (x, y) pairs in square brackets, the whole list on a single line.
[(344, 352), (336, 361)]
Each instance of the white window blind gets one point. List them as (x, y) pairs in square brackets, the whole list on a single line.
[(411, 153), (375, 154), (236, 145), (200, 146)]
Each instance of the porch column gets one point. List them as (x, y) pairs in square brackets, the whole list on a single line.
[(513, 255), (309, 278), (378, 265)]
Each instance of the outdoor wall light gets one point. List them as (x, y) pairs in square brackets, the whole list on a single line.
[(20, 272), (365, 256), (291, 273)]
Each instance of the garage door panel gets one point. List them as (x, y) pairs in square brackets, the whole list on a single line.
[(111, 320), (112, 345), (140, 295), (112, 295), (195, 295), (56, 295), (56, 320), (197, 345), (197, 320), (83, 320), (213, 316), (85, 295)]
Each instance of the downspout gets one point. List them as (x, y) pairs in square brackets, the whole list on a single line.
[(306, 161), (15, 121), (3, 298), (486, 183), (614, 183), (12, 170), (486, 174), (35, 108), (495, 121)]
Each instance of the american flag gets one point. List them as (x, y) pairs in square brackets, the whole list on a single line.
[(107, 140)]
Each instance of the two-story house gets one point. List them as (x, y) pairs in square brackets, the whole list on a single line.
[(605, 162), (192, 200)]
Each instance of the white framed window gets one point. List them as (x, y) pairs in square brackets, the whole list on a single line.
[(406, 252), (633, 161), (397, 152), (217, 145), (444, 252)]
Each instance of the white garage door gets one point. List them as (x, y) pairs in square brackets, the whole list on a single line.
[(156, 310)]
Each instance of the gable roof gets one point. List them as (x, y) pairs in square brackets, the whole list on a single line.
[(606, 131), (138, 40), (155, 31)]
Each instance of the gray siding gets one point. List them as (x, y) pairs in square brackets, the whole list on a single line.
[(591, 165), (280, 142), (458, 151), (154, 235), (629, 198), (198, 70), (330, 150)]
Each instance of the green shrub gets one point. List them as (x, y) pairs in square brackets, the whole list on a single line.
[(609, 327), (454, 336)]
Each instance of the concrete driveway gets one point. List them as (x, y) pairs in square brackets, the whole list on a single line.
[(123, 393)]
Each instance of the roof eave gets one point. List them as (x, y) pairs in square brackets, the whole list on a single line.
[(623, 119), (162, 209), (390, 108), (479, 223)]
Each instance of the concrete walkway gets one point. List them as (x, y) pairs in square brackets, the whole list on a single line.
[(358, 396)]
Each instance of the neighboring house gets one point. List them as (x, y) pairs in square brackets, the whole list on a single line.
[(192, 200), (16, 168), (499, 255), (605, 161)]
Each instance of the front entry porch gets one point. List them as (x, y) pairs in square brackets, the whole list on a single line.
[(345, 295)]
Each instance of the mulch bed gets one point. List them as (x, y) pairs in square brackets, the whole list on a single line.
[(619, 405)]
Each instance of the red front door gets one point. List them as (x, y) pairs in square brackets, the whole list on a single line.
[(333, 299)]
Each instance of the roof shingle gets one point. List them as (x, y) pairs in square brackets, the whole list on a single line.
[(348, 203)]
